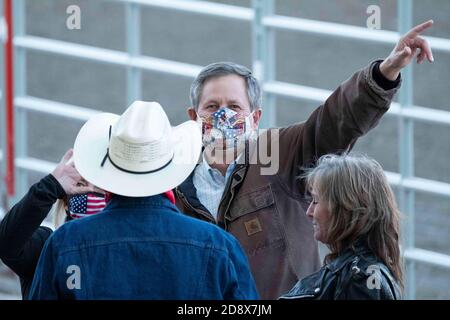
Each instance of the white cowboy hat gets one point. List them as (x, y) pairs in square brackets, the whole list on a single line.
[(138, 153)]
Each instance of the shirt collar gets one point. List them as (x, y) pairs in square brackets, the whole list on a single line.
[(230, 167)]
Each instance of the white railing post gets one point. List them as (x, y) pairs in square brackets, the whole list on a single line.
[(20, 116), (406, 151), (133, 26), (264, 58)]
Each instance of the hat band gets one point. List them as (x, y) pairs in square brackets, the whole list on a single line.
[(129, 171), (126, 170)]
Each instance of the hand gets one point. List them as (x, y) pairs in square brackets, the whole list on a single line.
[(408, 47), (69, 178)]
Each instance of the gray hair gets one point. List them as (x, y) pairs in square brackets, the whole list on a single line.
[(219, 69)]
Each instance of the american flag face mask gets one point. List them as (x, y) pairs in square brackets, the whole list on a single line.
[(225, 125), (83, 205)]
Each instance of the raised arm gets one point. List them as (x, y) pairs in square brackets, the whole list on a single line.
[(354, 108)]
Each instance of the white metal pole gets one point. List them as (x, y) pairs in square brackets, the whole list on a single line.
[(406, 152), (133, 25), (20, 116), (264, 58)]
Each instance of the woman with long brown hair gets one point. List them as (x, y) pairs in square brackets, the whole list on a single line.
[(354, 212)]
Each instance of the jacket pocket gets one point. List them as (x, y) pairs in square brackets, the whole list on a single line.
[(250, 202), (253, 219)]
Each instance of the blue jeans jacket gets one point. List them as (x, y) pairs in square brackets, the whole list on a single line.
[(142, 248)]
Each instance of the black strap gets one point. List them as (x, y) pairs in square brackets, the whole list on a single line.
[(129, 171)]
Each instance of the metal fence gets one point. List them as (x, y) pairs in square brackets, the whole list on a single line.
[(265, 24)]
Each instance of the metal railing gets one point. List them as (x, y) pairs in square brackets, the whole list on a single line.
[(264, 25)]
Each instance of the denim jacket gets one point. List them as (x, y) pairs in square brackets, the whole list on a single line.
[(142, 248)]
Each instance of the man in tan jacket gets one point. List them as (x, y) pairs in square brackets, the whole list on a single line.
[(263, 203)]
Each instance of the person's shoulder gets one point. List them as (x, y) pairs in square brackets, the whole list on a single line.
[(207, 231), (364, 264), (365, 276), (73, 229), (357, 264), (199, 225), (276, 132), (80, 224)]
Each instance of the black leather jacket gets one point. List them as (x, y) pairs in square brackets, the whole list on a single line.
[(355, 274)]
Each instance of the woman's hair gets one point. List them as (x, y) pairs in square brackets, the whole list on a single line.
[(58, 213), (361, 205)]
